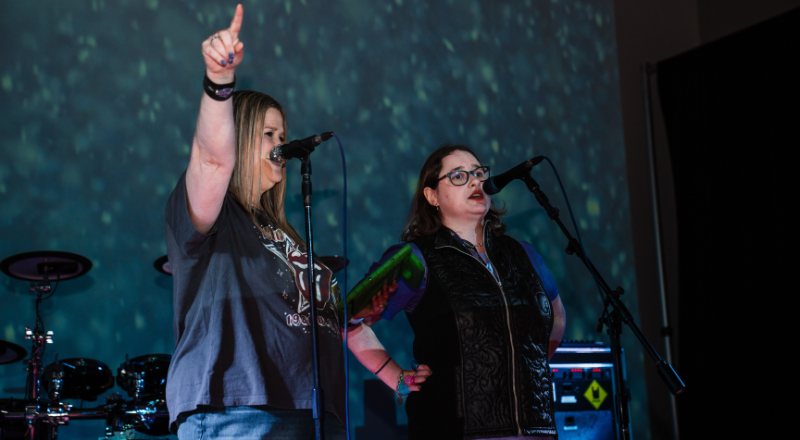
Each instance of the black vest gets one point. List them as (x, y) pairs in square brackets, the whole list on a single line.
[(486, 343)]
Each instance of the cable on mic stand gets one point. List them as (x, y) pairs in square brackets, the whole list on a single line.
[(302, 150), (343, 292)]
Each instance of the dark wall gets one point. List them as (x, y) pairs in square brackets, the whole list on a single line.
[(650, 31), (718, 18), (730, 109)]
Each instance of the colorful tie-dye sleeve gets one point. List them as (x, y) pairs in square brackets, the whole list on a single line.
[(404, 298)]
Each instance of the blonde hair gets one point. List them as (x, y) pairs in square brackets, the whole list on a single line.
[(249, 111)]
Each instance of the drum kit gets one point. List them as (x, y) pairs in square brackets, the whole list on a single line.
[(49, 389)]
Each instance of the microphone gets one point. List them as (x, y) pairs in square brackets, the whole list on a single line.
[(494, 185), (298, 148)]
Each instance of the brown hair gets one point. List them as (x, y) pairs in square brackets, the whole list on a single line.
[(249, 111), (424, 218)]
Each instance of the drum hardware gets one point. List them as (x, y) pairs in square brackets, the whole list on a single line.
[(138, 385), (10, 352), (122, 416), (57, 380), (144, 377), (41, 268), (162, 265), (35, 416), (39, 338), (81, 378)]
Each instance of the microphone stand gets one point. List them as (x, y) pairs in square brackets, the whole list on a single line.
[(317, 402), (614, 319)]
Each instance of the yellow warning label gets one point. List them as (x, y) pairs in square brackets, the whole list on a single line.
[(595, 394)]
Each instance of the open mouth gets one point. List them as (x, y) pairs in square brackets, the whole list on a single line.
[(477, 195), (277, 163)]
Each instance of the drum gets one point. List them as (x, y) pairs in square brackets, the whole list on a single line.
[(149, 372), (13, 429), (158, 423), (77, 378)]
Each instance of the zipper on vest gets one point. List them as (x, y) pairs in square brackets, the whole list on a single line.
[(508, 324)]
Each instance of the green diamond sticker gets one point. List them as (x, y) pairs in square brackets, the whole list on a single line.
[(595, 394)]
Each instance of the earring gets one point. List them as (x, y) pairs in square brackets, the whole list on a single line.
[(437, 207)]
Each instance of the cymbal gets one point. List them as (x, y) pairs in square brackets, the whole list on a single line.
[(334, 262), (14, 390), (32, 266), (11, 352), (162, 265)]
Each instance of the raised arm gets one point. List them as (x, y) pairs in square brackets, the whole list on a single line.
[(213, 153)]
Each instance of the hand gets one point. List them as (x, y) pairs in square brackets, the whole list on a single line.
[(422, 373), (379, 302), (223, 51)]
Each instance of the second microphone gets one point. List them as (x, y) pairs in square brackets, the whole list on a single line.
[(298, 148)]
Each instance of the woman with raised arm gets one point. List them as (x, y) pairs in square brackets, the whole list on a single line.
[(242, 366), (486, 318)]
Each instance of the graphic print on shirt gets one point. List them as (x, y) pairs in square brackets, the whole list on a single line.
[(326, 288)]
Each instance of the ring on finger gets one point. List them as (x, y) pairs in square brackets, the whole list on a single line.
[(215, 37)]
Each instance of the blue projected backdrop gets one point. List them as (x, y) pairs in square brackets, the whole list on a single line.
[(99, 101)]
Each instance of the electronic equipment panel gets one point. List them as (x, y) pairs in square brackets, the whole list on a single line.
[(583, 390)]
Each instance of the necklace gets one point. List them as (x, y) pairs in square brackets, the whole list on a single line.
[(470, 245)]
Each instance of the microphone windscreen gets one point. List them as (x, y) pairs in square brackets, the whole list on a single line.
[(490, 188)]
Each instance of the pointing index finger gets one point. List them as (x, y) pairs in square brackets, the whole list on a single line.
[(236, 23)]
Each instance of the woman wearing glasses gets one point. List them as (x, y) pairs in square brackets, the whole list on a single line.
[(486, 317)]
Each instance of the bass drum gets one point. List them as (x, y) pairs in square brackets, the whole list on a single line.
[(81, 378), (152, 371)]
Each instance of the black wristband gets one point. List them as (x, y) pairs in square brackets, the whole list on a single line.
[(385, 364), (218, 92)]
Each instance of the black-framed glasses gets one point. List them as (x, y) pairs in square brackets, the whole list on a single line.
[(461, 177)]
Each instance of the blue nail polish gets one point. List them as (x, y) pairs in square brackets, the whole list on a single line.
[(230, 55), (223, 62)]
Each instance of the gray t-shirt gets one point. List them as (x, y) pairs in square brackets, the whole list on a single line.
[(242, 334)]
